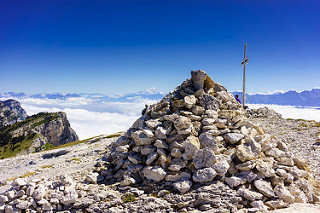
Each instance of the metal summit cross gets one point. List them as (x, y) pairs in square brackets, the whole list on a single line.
[(244, 62)]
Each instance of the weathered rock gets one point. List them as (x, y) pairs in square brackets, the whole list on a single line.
[(161, 133), (189, 101), (283, 193), (204, 175), (250, 195), (234, 181), (143, 137), (19, 182), (264, 187), (197, 110), (155, 173), (183, 185), (191, 144), (183, 125), (151, 158), (265, 165), (204, 158), (92, 178), (208, 140), (198, 77), (233, 137), (248, 151)]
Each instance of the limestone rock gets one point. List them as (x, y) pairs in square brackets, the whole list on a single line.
[(264, 187), (250, 195), (233, 138), (204, 175), (189, 101), (155, 173), (248, 151), (191, 144), (183, 185), (204, 158), (183, 125)]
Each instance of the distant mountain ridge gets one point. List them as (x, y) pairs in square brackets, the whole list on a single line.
[(305, 98)]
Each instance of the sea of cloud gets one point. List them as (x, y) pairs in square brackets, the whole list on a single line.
[(307, 113), (91, 117)]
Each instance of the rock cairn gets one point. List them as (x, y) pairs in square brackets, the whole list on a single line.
[(263, 112), (199, 134)]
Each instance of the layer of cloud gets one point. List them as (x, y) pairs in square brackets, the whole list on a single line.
[(91, 117), (307, 113)]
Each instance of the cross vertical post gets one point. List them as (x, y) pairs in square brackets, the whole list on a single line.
[(243, 63)]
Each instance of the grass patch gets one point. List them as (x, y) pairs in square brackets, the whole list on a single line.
[(27, 174), (75, 159), (47, 166), (303, 125), (47, 146), (128, 198), (85, 140), (300, 119), (13, 148), (315, 124)]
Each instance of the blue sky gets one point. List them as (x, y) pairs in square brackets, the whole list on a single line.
[(122, 46)]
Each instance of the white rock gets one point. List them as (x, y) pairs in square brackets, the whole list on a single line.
[(92, 178), (197, 110), (143, 137), (151, 158), (204, 158), (177, 165), (176, 153), (127, 181), (208, 140), (155, 173), (264, 187), (275, 152), (221, 166), (183, 185), (147, 150), (19, 182), (249, 195), (177, 177), (233, 138), (183, 125), (191, 144), (234, 181), (204, 175), (189, 101), (70, 197), (208, 121), (66, 180), (264, 165), (284, 194), (259, 205), (161, 133), (161, 144), (39, 192), (3, 199), (248, 151)]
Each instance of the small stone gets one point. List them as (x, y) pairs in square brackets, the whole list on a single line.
[(197, 110), (234, 181), (204, 175), (183, 185), (176, 153), (189, 101), (208, 140), (233, 138), (92, 178), (161, 133), (161, 144), (147, 150), (155, 173), (19, 182), (191, 144), (284, 194), (264, 187), (248, 151), (208, 121), (204, 158), (259, 205), (250, 195), (3, 199), (151, 158), (127, 181)]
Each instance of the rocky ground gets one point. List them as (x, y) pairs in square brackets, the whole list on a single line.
[(72, 167)]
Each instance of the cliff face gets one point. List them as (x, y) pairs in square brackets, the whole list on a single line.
[(35, 133), (11, 112)]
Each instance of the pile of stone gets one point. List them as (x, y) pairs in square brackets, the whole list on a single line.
[(263, 112), (199, 134), (54, 194)]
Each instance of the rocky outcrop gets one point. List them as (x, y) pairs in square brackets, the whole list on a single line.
[(35, 133), (263, 112), (199, 134), (11, 112)]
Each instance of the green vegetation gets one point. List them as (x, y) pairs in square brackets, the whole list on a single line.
[(10, 146), (128, 198), (303, 125), (47, 166), (75, 159), (85, 140), (47, 146), (16, 145)]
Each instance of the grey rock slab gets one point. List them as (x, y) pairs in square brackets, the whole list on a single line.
[(155, 173), (233, 138), (249, 195), (204, 158), (204, 175), (183, 185), (264, 187)]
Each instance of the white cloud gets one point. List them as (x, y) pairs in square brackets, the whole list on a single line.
[(307, 113)]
